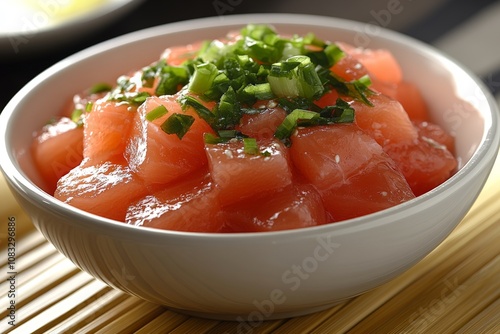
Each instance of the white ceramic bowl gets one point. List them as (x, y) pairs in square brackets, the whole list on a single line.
[(254, 276)]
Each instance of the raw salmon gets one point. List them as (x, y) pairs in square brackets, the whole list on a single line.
[(426, 162), (238, 175), (158, 157), (386, 121), (57, 149), (221, 166), (352, 182), (106, 131), (106, 189), (379, 63), (295, 206), (190, 204), (262, 125)]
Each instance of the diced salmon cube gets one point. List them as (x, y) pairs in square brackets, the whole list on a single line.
[(349, 68), (380, 63), (238, 175), (57, 149), (386, 121), (158, 157), (425, 163), (294, 206), (350, 169), (107, 129), (105, 189), (187, 205), (262, 125)]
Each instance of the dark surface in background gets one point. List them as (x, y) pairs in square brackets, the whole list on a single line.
[(16, 71)]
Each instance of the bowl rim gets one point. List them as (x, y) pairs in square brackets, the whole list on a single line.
[(483, 155)]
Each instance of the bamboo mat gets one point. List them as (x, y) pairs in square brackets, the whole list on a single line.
[(455, 289)]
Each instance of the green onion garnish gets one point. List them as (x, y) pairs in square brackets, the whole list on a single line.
[(76, 117), (138, 98), (327, 57), (211, 139), (171, 78), (89, 106), (260, 66), (100, 88), (157, 112), (289, 124), (203, 78), (341, 112), (177, 124), (202, 111), (224, 136), (260, 91), (228, 111), (294, 77), (250, 146)]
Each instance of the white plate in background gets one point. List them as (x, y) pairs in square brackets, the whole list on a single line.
[(28, 26)]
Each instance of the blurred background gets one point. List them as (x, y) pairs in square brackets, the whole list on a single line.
[(35, 34)]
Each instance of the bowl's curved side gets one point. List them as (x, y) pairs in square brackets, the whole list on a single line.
[(270, 275)]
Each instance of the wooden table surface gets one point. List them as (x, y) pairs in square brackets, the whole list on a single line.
[(455, 289)]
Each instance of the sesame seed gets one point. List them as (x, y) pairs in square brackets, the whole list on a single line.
[(272, 104), (228, 154)]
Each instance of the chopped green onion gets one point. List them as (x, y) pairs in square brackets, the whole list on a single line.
[(257, 31), (228, 111), (138, 98), (341, 112), (260, 91), (297, 103), (220, 84), (156, 113), (334, 53), (261, 65), (123, 93), (177, 124), (250, 146), (214, 51), (289, 124), (327, 57), (224, 136), (76, 117), (171, 77), (296, 76), (123, 84), (312, 39), (357, 89), (202, 111), (149, 74), (89, 106), (203, 78), (100, 88), (211, 139), (228, 133), (364, 81)]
